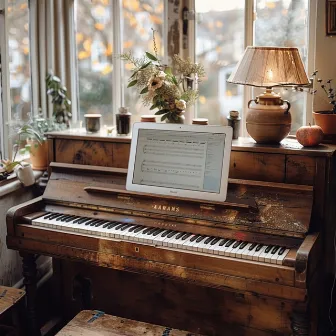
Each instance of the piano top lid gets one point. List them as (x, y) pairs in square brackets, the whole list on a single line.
[(276, 208), (287, 146)]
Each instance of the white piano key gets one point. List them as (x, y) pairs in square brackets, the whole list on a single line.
[(241, 251), (251, 253), (256, 255), (263, 254), (229, 249), (214, 249), (246, 251), (282, 257), (234, 250), (268, 257)]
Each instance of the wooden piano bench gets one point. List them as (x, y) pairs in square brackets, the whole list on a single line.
[(12, 311), (97, 323)]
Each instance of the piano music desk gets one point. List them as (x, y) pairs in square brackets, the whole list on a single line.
[(294, 189)]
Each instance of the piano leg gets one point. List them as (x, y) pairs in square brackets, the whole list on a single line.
[(300, 323), (29, 280)]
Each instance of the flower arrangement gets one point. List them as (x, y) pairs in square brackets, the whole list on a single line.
[(168, 89)]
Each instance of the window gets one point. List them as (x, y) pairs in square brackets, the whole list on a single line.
[(220, 44), (103, 29), (102, 77)]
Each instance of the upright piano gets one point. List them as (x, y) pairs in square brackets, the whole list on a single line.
[(260, 263)]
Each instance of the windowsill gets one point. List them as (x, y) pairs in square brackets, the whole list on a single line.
[(16, 184)]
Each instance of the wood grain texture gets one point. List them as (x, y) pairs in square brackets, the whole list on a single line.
[(257, 166), (96, 323), (178, 304), (9, 297), (300, 169), (121, 154)]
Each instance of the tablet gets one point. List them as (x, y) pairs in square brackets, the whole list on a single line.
[(188, 161)]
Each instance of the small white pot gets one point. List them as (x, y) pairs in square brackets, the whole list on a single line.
[(25, 174)]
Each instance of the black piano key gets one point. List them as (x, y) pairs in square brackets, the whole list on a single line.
[(282, 250), (131, 229), (77, 220), (180, 235), (268, 248), (126, 226), (224, 240), (54, 216), (199, 239), (259, 246), (93, 220), (112, 225), (119, 226), (139, 229), (216, 240), (66, 217), (229, 242), (151, 231), (46, 215), (107, 224), (100, 223), (157, 231), (208, 240), (185, 236), (83, 220), (61, 217), (146, 230), (236, 244), (194, 238), (97, 222), (165, 233), (171, 234), (242, 245), (275, 248), (71, 219), (253, 245)]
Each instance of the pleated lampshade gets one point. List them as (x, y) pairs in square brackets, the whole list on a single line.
[(269, 67)]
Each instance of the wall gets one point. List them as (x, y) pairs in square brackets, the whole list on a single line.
[(325, 55), (10, 261)]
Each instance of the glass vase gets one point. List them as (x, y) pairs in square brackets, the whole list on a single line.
[(179, 119)]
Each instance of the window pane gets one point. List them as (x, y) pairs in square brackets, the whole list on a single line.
[(219, 46), (283, 23), (94, 57), (19, 64), (139, 18)]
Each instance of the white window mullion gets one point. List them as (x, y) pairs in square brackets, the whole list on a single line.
[(248, 41), (117, 84), (71, 11), (33, 55), (5, 110), (311, 42)]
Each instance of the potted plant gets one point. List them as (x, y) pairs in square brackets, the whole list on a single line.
[(36, 145), (325, 119), (60, 100)]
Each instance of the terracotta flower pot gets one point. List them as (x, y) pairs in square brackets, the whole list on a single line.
[(326, 121), (38, 154)]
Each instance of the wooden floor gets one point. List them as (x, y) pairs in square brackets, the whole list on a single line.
[(96, 323), (8, 297)]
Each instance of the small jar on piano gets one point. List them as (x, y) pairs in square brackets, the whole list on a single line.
[(148, 118), (123, 121), (234, 121), (200, 121)]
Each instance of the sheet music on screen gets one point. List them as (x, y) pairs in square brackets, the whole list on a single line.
[(179, 159)]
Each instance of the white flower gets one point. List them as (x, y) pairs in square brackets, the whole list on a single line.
[(154, 83), (161, 75), (181, 104)]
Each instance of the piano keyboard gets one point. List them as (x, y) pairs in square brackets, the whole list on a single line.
[(164, 237)]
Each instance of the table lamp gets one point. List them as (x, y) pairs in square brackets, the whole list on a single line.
[(268, 119)]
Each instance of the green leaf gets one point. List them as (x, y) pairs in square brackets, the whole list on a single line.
[(130, 84), (164, 117), (151, 57), (153, 107), (135, 72), (144, 90), (174, 80), (145, 65), (161, 112), (168, 71)]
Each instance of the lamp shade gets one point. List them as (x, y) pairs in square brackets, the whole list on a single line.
[(269, 67)]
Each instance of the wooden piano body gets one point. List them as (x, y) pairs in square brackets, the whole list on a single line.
[(279, 196)]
